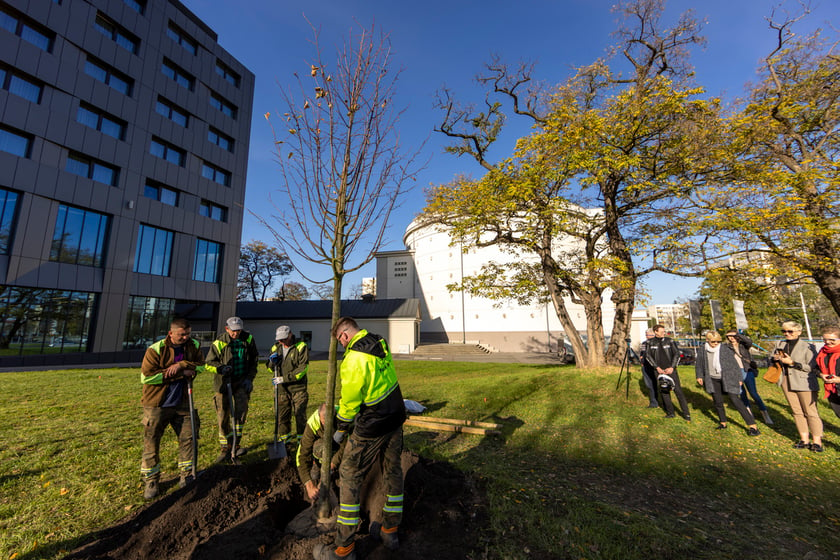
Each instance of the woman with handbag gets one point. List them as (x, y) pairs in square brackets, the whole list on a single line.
[(828, 360), (719, 372), (798, 382)]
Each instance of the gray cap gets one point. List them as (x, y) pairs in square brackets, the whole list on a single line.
[(282, 332), (235, 324)]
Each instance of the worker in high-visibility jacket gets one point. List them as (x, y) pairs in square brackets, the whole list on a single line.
[(288, 364), (169, 365), (233, 357), (372, 400), (310, 452)]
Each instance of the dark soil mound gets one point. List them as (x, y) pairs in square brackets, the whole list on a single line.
[(243, 512)]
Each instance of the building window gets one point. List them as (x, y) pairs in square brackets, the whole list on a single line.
[(8, 207), (89, 115), (167, 151), (79, 237), (224, 106), (179, 36), (26, 29), (20, 85), (138, 6), (109, 76), (225, 72), (208, 260), (154, 251), (172, 112), (215, 174), (14, 142), (39, 321), (220, 139), (173, 72), (116, 33), (147, 321), (213, 211), (90, 168), (161, 193)]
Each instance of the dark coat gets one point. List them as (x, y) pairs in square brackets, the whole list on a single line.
[(730, 372)]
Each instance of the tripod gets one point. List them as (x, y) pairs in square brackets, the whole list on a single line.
[(625, 363)]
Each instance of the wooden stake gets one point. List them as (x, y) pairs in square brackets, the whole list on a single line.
[(456, 422), (451, 428)]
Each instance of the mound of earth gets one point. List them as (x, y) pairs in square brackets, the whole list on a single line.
[(254, 511)]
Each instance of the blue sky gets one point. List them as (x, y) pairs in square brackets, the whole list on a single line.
[(439, 43)]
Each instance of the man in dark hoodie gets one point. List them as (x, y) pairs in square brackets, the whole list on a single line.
[(168, 366)]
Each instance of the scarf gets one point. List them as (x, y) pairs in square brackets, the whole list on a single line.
[(713, 359), (828, 360)]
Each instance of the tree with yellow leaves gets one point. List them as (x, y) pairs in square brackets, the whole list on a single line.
[(611, 153), (779, 200), (342, 170)]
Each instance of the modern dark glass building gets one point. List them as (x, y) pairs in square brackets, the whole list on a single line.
[(124, 131)]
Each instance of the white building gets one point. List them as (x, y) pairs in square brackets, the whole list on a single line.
[(428, 264)]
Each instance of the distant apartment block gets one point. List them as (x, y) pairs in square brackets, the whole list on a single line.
[(124, 131)]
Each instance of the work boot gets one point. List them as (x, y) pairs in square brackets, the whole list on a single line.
[(224, 455), (186, 479), (767, 419), (240, 451), (152, 490), (323, 551), (388, 537)]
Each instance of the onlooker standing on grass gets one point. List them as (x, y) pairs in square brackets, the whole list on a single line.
[(828, 360), (648, 371), (799, 384), (233, 357), (168, 365), (288, 363), (741, 344), (663, 355), (371, 398), (720, 372)]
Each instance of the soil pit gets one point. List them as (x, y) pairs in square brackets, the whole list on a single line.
[(247, 512)]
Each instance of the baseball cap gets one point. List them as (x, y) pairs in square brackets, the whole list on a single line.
[(282, 332), (235, 324)]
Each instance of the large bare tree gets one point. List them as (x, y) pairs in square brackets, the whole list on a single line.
[(342, 169)]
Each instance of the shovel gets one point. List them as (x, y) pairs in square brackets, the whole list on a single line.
[(276, 449), (194, 429), (233, 458)]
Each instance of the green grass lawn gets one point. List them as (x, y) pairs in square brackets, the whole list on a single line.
[(579, 472)]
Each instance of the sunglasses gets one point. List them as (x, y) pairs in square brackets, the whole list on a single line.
[(787, 332)]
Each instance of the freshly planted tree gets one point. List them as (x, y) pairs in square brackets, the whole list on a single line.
[(259, 266), (342, 169)]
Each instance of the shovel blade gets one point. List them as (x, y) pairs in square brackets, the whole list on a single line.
[(276, 450)]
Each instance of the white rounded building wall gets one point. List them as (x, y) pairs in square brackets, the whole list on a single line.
[(455, 317)]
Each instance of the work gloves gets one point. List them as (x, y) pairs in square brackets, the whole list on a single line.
[(275, 360), (277, 380), (338, 436), (225, 371), (248, 385)]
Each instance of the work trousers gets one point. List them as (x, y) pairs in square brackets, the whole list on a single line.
[(241, 398), (717, 397), (803, 405), (291, 398), (666, 396), (359, 455), (155, 420)]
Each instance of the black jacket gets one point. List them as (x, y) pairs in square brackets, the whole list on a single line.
[(662, 352)]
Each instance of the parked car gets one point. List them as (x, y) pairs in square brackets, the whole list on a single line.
[(688, 355)]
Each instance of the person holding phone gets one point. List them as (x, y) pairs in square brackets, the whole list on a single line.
[(799, 385), (828, 360)]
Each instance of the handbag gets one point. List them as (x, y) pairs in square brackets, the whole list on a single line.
[(774, 371)]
